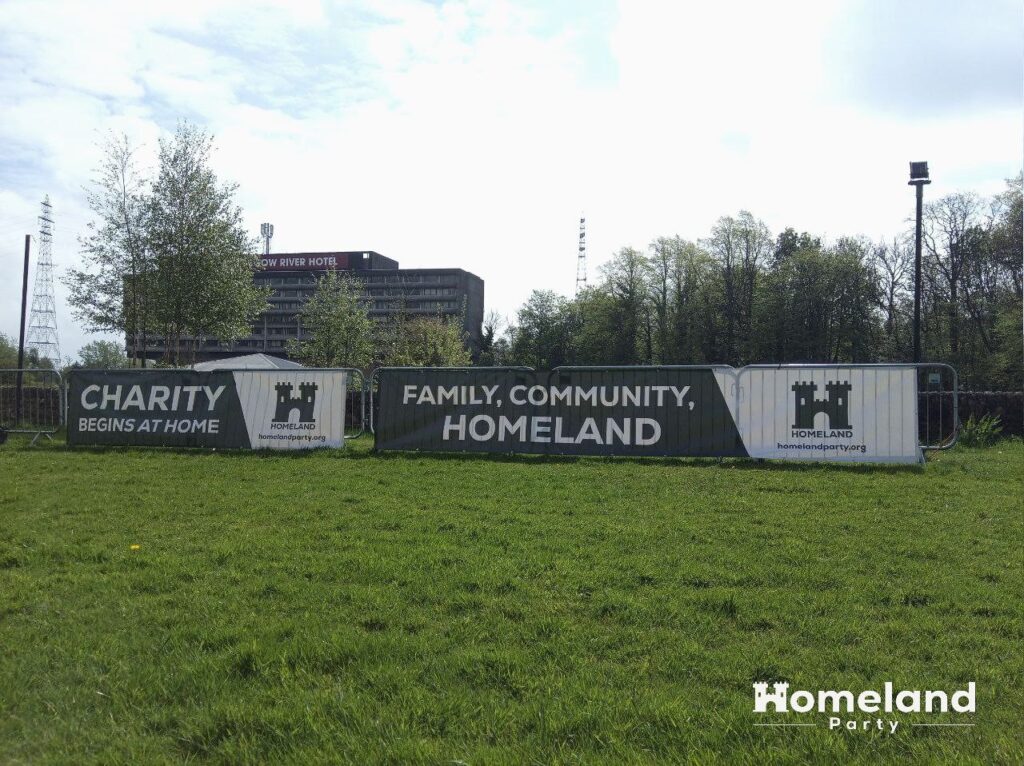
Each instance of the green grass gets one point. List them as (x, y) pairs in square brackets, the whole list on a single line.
[(353, 607)]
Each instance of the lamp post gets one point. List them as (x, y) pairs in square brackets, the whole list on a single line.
[(918, 177)]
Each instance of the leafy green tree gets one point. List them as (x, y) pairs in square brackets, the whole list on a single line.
[(1006, 300), (427, 342), (626, 278), (741, 245), (590, 321), (102, 355), (681, 282), (337, 325), (9, 356), (789, 242), (893, 265), (204, 259), (818, 305), (543, 333), (112, 292), (494, 348), (8, 352)]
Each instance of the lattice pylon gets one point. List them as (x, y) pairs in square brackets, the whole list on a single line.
[(581, 258), (42, 326)]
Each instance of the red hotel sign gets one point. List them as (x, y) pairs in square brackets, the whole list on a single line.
[(300, 262)]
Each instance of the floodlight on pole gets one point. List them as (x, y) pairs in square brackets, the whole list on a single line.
[(918, 177)]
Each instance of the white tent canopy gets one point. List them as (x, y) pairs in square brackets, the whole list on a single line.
[(247, 362)]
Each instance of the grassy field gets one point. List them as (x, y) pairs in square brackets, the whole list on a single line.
[(164, 606)]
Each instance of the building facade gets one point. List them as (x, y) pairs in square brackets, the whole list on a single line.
[(386, 289)]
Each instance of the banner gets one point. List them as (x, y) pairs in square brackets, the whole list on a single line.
[(843, 414), (835, 413), (247, 409), (563, 412)]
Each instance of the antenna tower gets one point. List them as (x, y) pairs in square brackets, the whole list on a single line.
[(42, 327), (267, 232), (581, 259)]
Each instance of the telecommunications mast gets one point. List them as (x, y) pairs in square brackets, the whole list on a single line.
[(581, 258), (267, 232)]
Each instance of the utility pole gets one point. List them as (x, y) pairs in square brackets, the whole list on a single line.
[(21, 336), (918, 177)]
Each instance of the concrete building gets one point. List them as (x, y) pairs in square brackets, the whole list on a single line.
[(386, 288)]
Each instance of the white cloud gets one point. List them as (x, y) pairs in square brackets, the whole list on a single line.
[(473, 134)]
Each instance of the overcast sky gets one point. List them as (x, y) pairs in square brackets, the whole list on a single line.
[(474, 134)]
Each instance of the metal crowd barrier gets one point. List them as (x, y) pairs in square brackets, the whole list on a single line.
[(938, 393), (940, 379), (32, 401)]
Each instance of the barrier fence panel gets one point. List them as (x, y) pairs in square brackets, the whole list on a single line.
[(938, 405), (566, 411), (355, 403), (257, 409), (844, 413), (31, 402)]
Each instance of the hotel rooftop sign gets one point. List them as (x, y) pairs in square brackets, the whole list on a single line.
[(308, 261), (336, 259)]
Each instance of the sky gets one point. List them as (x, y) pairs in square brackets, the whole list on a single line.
[(473, 134)]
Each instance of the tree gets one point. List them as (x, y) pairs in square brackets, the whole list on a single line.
[(789, 242), (1007, 243), (948, 225), (590, 320), (818, 305), (102, 355), (8, 352), (9, 356), (168, 254), (112, 293), (893, 264), (690, 286), (626, 280), (740, 245), (542, 336), (338, 325), (428, 342), (204, 259), (494, 347)]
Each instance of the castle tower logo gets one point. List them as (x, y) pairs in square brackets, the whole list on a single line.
[(304, 402), (762, 698), (835, 405)]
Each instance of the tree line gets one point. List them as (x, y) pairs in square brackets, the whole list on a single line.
[(742, 296), (167, 256)]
